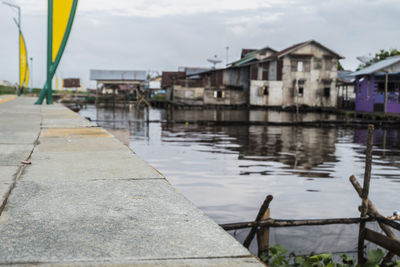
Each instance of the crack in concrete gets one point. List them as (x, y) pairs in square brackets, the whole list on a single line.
[(22, 167)]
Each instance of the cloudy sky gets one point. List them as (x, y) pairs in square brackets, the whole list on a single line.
[(164, 34)]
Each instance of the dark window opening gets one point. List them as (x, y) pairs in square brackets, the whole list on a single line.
[(381, 87), (327, 92), (219, 94), (301, 91), (392, 87), (266, 90)]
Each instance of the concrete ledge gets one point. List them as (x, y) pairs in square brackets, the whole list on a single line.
[(88, 200), (220, 262)]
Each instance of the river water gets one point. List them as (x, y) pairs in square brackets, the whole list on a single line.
[(227, 171)]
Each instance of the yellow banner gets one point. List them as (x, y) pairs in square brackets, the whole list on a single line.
[(57, 83), (27, 78), (61, 13), (23, 60)]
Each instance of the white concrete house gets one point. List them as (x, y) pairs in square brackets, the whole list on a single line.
[(303, 74)]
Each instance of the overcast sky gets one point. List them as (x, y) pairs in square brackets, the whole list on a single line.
[(164, 34)]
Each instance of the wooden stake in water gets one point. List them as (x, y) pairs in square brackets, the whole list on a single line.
[(259, 217), (365, 192), (263, 235)]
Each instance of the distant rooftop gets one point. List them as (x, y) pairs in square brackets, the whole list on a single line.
[(118, 75), (378, 66), (345, 76), (192, 70), (250, 56)]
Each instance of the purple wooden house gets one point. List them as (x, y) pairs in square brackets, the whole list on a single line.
[(378, 87)]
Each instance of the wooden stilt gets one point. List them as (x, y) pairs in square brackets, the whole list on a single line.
[(260, 215), (263, 234), (365, 192)]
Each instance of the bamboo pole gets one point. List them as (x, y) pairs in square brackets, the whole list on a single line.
[(261, 212), (383, 241), (373, 212), (365, 192), (386, 221), (263, 234), (293, 223)]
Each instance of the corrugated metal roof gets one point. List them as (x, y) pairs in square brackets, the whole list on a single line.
[(378, 66), (118, 75), (192, 70), (345, 76), (250, 57)]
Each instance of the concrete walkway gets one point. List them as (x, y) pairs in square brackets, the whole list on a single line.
[(86, 199)]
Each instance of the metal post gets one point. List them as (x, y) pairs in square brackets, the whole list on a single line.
[(386, 90), (19, 50), (19, 42), (31, 74), (49, 86)]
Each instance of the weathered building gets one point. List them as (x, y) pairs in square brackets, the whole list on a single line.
[(303, 74), (182, 86), (113, 81), (228, 87), (168, 79), (378, 86)]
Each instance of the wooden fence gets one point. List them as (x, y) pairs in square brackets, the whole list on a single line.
[(369, 213)]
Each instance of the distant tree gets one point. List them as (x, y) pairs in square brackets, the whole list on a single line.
[(340, 67), (381, 55)]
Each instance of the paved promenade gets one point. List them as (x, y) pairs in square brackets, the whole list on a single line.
[(86, 199)]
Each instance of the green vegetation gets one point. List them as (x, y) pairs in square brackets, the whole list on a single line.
[(340, 67), (9, 90), (159, 97), (277, 256), (381, 55)]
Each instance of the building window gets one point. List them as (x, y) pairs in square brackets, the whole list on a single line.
[(218, 94), (301, 91), (272, 73), (299, 84), (328, 64), (300, 66), (317, 63), (327, 91), (260, 72), (266, 90)]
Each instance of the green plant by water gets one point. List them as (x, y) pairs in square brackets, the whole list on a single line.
[(278, 256)]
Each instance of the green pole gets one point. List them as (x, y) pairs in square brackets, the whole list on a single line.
[(19, 51), (49, 86), (44, 92)]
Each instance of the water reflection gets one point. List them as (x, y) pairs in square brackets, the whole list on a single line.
[(228, 170), (245, 115)]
